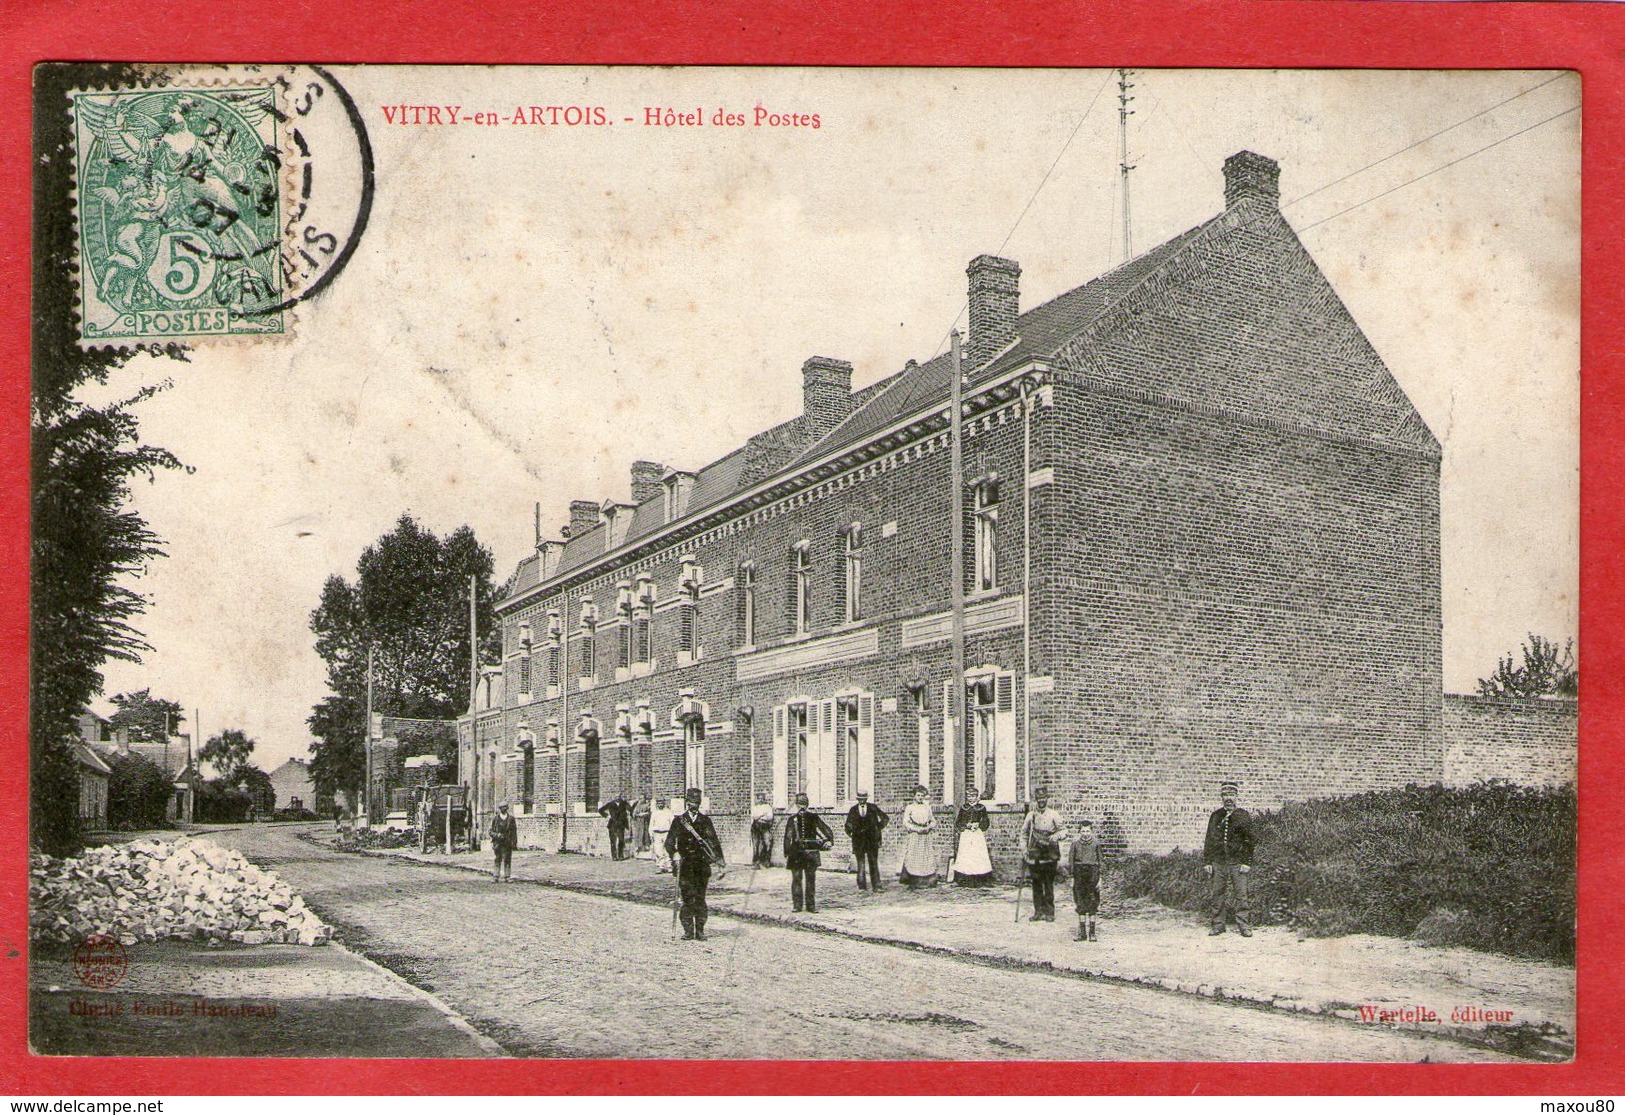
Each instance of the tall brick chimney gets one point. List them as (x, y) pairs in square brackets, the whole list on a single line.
[(583, 516), (995, 303), (1247, 175), (646, 480), (826, 394)]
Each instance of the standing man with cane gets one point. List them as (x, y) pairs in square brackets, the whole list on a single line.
[(1041, 836), (694, 847)]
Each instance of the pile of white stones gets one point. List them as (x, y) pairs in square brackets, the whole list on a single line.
[(147, 890)]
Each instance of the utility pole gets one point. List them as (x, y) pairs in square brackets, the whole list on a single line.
[(564, 725), (473, 648), (956, 543), (1123, 113), (366, 790)]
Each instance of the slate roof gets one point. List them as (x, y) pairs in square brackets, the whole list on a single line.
[(1154, 327)]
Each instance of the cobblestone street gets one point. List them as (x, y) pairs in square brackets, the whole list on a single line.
[(551, 973)]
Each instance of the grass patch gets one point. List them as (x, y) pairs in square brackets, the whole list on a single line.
[(1490, 866)]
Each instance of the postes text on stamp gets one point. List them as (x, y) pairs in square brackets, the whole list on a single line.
[(179, 217)]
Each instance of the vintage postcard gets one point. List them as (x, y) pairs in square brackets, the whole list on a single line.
[(874, 564)]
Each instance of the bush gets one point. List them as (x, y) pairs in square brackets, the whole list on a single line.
[(1491, 867), (137, 793), (294, 813)]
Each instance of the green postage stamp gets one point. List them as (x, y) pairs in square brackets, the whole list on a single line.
[(180, 213)]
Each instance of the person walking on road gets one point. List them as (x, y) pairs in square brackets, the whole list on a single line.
[(693, 845), (919, 867), (761, 833), (973, 867), (1041, 834), (1227, 857), (864, 824), (504, 837), (660, 816), (1086, 879), (805, 835), (618, 812)]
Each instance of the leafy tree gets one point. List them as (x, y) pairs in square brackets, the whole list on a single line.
[(1546, 671), (137, 792), (228, 754), (148, 719), (409, 602), (87, 543)]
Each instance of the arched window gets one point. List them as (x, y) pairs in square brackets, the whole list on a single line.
[(745, 586), (854, 573), (800, 597)]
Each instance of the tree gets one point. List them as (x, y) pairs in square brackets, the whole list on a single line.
[(137, 793), (409, 602), (228, 754), (1546, 672), (147, 719), (87, 543)]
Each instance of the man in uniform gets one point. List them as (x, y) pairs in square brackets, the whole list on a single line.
[(1041, 834), (618, 812), (805, 835), (1227, 857), (694, 847), (863, 825)]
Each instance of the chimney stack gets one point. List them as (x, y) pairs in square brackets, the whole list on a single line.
[(646, 480), (583, 517), (995, 303), (1247, 175), (826, 393)]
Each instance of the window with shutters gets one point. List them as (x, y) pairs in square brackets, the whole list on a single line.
[(855, 745), (847, 727), (694, 752), (979, 716), (745, 590), (781, 757), (527, 783), (990, 736), (985, 501), (853, 581), (799, 744), (553, 667), (800, 599), (589, 641)]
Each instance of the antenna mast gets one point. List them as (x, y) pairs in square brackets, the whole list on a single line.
[(1123, 113)]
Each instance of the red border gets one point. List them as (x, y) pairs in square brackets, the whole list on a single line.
[(1586, 37)]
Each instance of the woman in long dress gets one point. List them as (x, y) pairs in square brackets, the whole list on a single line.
[(919, 850), (973, 867)]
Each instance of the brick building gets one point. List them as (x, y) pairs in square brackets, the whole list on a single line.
[(1201, 541)]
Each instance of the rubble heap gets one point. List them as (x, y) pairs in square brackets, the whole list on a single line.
[(186, 889)]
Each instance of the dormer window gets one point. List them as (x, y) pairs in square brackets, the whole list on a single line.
[(677, 487)]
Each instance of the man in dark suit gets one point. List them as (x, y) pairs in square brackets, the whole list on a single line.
[(863, 824), (805, 835), (693, 846), (504, 838), (618, 812), (1227, 857)]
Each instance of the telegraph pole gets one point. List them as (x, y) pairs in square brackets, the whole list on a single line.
[(956, 543), (366, 790), (1123, 113), (473, 649)]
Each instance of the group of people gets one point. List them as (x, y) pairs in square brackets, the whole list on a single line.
[(686, 844)]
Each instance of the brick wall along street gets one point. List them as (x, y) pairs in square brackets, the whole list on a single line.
[(1201, 543)]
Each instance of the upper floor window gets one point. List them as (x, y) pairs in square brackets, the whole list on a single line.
[(986, 510), (745, 586), (854, 573), (643, 614), (800, 602)]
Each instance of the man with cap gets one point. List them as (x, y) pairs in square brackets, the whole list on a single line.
[(805, 835), (864, 823), (1041, 834), (504, 837), (693, 846), (1227, 857)]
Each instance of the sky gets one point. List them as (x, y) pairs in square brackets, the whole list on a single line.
[(530, 309)]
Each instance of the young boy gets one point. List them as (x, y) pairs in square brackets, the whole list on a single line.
[(1086, 879)]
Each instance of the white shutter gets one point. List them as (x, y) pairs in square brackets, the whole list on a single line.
[(781, 759), (924, 730), (825, 792), (866, 745), (950, 742), (1004, 738)]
